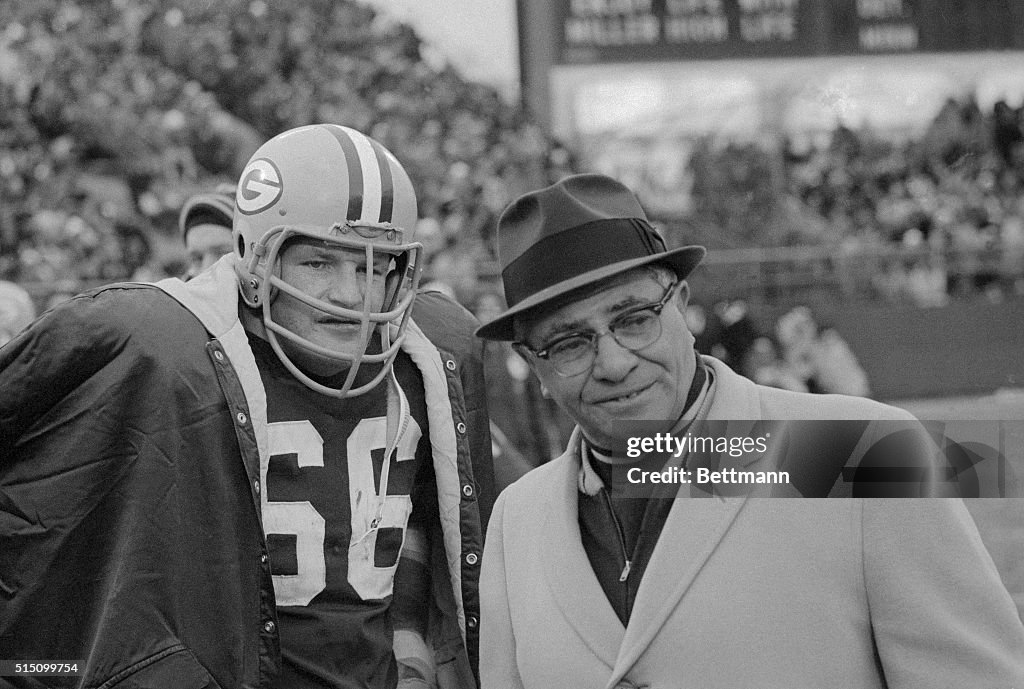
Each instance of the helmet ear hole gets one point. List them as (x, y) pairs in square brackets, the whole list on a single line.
[(395, 279), (241, 245)]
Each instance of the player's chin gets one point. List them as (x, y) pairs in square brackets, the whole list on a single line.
[(320, 365)]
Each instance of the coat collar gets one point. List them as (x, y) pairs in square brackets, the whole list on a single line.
[(736, 397), (212, 297)]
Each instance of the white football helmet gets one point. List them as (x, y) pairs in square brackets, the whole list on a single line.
[(339, 186)]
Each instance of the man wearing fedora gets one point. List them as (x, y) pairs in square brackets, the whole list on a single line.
[(582, 589)]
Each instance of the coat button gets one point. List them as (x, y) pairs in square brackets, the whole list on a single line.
[(472, 622), (467, 490), (242, 418), (256, 486), (450, 364), (461, 427), (471, 559), (263, 558), (218, 355), (269, 627)]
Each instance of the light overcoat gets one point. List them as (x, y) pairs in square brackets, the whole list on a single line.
[(747, 592)]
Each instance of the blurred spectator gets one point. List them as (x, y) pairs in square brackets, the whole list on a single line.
[(705, 327), (926, 283), (509, 462), (16, 310), (528, 421), (1007, 133), (205, 224), (823, 361), (836, 369), (764, 366), (797, 332), (1012, 241), (736, 335)]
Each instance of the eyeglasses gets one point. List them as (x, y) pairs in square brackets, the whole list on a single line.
[(573, 354)]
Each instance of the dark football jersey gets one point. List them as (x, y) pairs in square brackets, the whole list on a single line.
[(333, 571)]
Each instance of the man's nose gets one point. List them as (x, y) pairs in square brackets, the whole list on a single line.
[(346, 286), (612, 361)]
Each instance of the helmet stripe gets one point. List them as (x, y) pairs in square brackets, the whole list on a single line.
[(355, 171), (371, 177), (387, 185)]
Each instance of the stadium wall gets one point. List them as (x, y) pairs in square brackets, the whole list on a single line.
[(968, 347)]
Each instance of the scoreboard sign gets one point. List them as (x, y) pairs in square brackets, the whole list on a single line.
[(616, 30), (591, 31)]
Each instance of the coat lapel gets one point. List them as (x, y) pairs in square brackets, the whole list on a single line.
[(693, 530), (567, 570)]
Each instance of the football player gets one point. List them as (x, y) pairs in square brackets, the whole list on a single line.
[(205, 223), (269, 476)]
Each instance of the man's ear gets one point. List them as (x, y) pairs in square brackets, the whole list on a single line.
[(524, 354), (683, 298), (532, 363)]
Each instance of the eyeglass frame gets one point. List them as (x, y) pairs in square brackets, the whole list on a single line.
[(593, 336)]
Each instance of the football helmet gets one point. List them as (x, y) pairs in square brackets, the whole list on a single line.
[(336, 185)]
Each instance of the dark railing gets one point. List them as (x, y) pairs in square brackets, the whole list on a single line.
[(816, 274)]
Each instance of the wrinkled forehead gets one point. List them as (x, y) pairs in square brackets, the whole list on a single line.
[(600, 300)]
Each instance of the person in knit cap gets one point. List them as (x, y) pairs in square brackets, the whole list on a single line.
[(205, 223)]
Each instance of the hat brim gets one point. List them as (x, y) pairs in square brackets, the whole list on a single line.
[(682, 260)]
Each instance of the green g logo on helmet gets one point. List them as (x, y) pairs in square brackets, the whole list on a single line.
[(259, 187)]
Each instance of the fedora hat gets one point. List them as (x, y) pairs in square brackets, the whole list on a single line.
[(576, 232)]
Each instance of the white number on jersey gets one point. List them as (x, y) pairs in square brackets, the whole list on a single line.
[(370, 582), (297, 518), (301, 519)]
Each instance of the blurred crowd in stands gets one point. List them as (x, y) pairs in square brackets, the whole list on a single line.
[(952, 200), (114, 112)]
